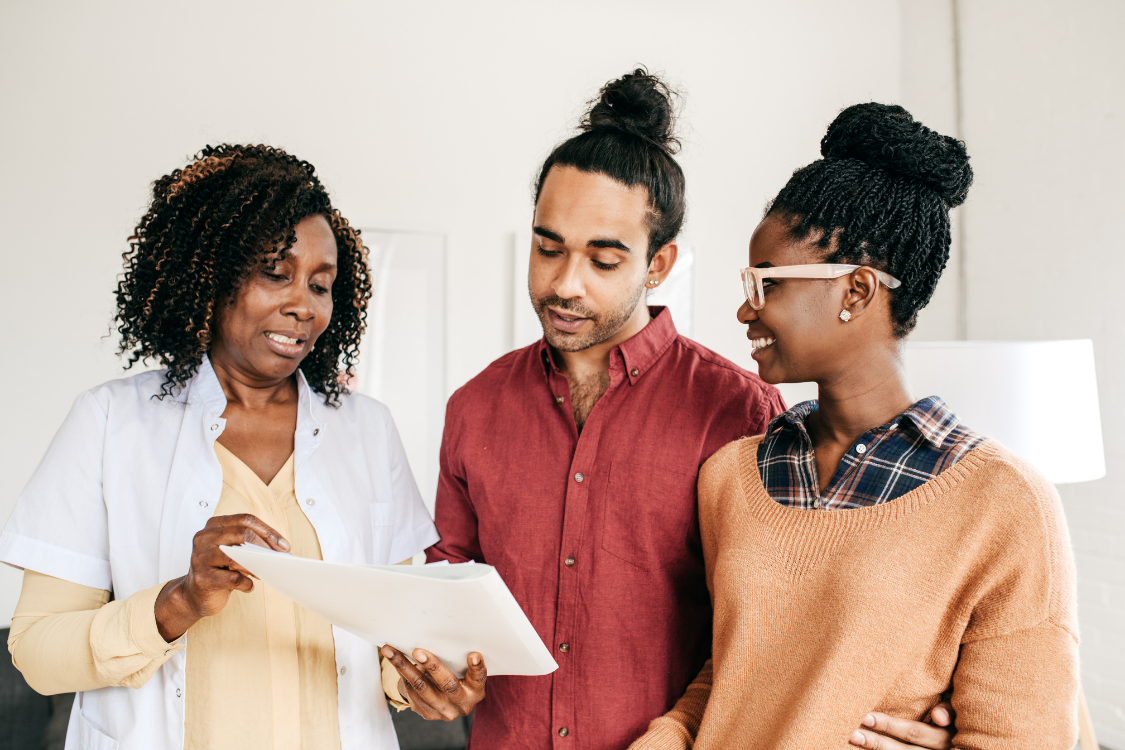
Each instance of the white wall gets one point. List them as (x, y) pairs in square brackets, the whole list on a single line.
[(1044, 118), (426, 116)]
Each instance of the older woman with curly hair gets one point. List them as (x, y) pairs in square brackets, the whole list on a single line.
[(250, 289)]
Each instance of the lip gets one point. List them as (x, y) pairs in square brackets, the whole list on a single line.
[(566, 326), (286, 350), (755, 354)]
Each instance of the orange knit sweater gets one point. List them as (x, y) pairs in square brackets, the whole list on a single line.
[(966, 584)]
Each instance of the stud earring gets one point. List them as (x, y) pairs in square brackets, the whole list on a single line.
[(845, 316), (653, 282)]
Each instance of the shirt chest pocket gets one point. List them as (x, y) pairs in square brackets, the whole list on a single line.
[(649, 518)]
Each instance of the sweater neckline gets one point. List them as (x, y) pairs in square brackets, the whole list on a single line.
[(766, 508)]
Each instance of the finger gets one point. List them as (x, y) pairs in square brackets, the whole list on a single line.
[(416, 681), (416, 703), (260, 529), (872, 741), (217, 578), (943, 714), (476, 674), (449, 696), (440, 675), (911, 733)]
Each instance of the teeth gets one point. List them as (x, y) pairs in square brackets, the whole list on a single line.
[(761, 343), (280, 339)]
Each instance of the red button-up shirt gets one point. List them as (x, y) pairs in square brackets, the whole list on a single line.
[(595, 534)]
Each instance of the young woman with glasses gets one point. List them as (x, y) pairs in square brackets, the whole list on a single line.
[(869, 549)]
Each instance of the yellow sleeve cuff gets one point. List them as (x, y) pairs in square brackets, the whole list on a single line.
[(143, 630)]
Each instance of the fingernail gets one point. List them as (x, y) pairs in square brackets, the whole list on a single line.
[(857, 738), (387, 652), (284, 544), (868, 721), (474, 660), (940, 715), (420, 657)]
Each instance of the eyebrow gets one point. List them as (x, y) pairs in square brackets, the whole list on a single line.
[(607, 242), (767, 264)]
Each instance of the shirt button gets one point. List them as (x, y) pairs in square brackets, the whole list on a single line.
[(178, 692), (310, 501), (559, 399), (564, 647), (343, 670), (564, 732), (861, 449), (214, 427), (816, 503), (316, 432), (569, 562), (578, 477), (635, 372), (202, 503)]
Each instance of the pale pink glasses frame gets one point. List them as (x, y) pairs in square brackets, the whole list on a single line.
[(756, 293)]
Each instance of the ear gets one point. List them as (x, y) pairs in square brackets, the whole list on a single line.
[(661, 264), (862, 292)]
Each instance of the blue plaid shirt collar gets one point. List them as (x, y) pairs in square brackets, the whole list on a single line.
[(885, 463), (930, 418)]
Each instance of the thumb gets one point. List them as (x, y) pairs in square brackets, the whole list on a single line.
[(476, 674)]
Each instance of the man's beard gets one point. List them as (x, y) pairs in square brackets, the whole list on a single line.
[(604, 326)]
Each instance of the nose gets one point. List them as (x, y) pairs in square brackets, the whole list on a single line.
[(747, 314), (569, 284), (299, 303)]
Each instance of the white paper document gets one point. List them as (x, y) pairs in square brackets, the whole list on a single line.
[(449, 610)]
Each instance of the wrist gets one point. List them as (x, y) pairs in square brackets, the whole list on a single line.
[(173, 610)]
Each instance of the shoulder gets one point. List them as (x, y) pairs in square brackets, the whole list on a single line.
[(489, 383), (357, 409), (728, 464), (1020, 535), (142, 391), (714, 367)]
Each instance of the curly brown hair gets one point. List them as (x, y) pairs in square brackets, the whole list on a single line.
[(207, 227)]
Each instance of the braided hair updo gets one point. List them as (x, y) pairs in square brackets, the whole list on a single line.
[(882, 194), (207, 227), (629, 136)]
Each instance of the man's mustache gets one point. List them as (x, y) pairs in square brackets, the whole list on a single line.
[(564, 304)]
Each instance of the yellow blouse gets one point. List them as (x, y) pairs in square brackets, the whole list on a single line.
[(260, 674)]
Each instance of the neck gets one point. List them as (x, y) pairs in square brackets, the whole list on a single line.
[(595, 359), (248, 389), (871, 391)]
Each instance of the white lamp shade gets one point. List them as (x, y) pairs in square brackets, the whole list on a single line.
[(1039, 398)]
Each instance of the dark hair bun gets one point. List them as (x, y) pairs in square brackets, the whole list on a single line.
[(638, 104), (886, 137)]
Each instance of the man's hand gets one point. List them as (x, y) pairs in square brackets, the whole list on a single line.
[(434, 692), (882, 732)]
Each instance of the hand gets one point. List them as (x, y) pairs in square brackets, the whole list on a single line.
[(434, 692), (914, 734), (212, 577)]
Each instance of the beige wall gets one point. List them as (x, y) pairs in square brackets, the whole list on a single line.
[(1042, 102), (426, 116)]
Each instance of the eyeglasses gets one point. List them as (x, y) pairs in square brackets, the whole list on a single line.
[(756, 293)]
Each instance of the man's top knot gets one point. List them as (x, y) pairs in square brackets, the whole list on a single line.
[(637, 104)]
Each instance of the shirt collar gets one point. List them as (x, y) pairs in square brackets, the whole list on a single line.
[(637, 354), (930, 418)]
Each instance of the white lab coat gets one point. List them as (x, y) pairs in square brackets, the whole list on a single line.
[(128, 481)]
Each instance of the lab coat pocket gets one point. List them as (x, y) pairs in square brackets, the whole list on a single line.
[(649, 515), (89, 738)]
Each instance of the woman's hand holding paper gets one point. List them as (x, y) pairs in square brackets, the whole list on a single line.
[(434, 692), (212, 577)]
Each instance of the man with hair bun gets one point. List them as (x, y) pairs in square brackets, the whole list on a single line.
[(570, 465)]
